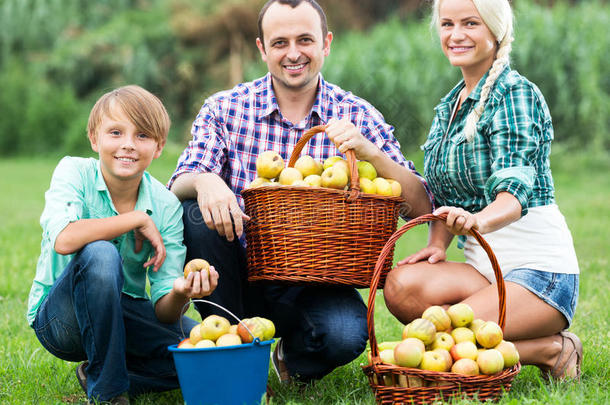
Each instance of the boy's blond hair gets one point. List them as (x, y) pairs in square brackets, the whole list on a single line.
[(142, 108)]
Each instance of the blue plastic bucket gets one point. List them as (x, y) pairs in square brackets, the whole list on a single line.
[(223, 375)]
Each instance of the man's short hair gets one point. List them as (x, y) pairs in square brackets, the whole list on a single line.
[(293, 4)]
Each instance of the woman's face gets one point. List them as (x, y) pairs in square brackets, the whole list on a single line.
[(465, 39)]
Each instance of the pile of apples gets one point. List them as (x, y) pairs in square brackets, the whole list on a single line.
[(333, 173), (449, 341)]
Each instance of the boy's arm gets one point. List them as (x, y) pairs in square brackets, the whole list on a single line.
[(79, 233)]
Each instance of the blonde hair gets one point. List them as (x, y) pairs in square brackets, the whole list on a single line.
[(498, 16), (144, 110)]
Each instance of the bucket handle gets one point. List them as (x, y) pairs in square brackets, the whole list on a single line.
[(184, 307)]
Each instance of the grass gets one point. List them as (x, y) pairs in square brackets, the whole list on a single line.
[(28, 374)]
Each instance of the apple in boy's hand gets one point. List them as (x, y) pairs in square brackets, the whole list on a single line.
[(196, 265)]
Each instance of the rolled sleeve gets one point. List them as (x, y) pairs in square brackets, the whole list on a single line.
[(519, 181)]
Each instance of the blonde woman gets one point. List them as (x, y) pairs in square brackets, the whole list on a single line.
[(487, 163)]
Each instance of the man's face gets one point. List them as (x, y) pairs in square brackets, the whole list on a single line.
[(294, 47)]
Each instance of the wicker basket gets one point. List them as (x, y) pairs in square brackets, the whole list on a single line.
[(395, 384), (314, 235)]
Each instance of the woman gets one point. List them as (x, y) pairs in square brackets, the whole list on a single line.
[(487, 163)]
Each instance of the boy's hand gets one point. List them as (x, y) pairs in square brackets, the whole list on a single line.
[(148, 231), (198, 284)]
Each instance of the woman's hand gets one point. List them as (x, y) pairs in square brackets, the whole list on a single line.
[(433, 254), (198, 284), (459, 221), (344, 134)]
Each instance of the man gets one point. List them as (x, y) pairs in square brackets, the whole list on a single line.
[(321, 328)]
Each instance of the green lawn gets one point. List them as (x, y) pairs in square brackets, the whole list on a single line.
[(30, 375)]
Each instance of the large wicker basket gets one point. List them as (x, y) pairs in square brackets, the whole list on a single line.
[(314, 235), (394, 384)]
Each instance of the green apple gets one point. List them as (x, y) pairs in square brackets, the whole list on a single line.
[(269, 328), (331, 161), (490, 361), (409, 352), (228, 339), (269, 164), (463, 334), (489, 335), (464, 350), (423, 330), (465, 367), (205, 343), (334, 178), (433, 361), (382, 186), (396, 188), (307, 166), (366, 170), (214, 326), (438, 316), (259, 181), (289, 175), (443, 340), (195, 335), (367, 186), (461, 314), (509, 353), (313, 180)]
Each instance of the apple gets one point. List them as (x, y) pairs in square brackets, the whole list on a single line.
[(313, 180), (462, 334), (489, 335), (433, 361), (465, 367), (443, 340), (396, 188), (334, 178), (259, 181), (205, 343), (509, 353), (490, 361), (195, 335), (367, 186), (269, 328), (410, 381), (476, 324), (464, 350), (233, 329), (409, 352), (307, 166), (196, 265), (461, 314), (405, 331), (214, 326), (438, 316), (185, 344), (228, 339), (331, 161), (387, 356), (300, 183), (256, 327), (366, 170), (423, 330), (382, 186), (447, 356), (289, 175), (269, 164), (342, 164)]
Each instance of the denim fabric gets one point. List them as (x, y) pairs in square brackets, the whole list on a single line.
[(556, 289), (86, 317), (322, 327)]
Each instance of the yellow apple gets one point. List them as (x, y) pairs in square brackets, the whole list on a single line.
[(195, 335), (205, 343), (334, 178), (269, 164), (196, 265), (307, 166), (256, 327), (443, 340), (214, 326), (464, 350), (342, 164), (366, 170), (448, 359), (465, 367), (185, 344), (476, 324), (461, 314), (509, 353), (367, 186), (228, 339), (433, 361), (233, 329), (331, 161), (387, 356), (289, 175), (423, 330), (463, 334), (489, 335), (396, 188), (490, 361), (259, 181), (382, 186), (409, 352), (269, 328), (438, 316), (313, 180)]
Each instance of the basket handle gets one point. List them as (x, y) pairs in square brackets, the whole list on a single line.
[(354, 186), (384, 253)]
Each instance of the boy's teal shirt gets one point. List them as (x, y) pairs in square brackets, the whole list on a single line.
[(78, 191)]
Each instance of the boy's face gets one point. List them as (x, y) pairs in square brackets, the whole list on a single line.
[(124, 152)]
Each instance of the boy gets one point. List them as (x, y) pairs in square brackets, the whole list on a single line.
[(108, 226)]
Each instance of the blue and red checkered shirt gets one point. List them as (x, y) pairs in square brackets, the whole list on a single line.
[(234, 126)]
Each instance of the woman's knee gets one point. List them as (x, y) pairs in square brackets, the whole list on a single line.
[(403, 294)]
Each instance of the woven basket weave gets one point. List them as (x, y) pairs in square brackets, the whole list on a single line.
[(394, 384), (314, 235)]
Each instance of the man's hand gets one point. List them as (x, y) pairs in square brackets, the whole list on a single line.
[(344, 134), (147, 230), (198, 284)]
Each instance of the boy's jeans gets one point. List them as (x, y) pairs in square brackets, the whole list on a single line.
[(86, 317), (321, 327)]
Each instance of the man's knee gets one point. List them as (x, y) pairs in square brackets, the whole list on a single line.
[(346, 334)]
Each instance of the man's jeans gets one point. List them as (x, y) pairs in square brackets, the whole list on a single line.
[(321, 327), (86, 317)]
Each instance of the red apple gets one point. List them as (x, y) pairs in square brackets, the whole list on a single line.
[(464, 350), (254, 325), (409, 352), (185, 344), (465, 367)]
